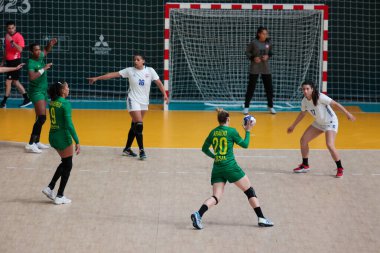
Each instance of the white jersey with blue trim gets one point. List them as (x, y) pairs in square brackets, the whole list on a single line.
[(139, 82), (323, 113)]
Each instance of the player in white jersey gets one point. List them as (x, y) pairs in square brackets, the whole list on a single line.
[(319, 106), (140, 78)]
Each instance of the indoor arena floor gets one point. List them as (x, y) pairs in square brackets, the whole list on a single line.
[(122, 204)]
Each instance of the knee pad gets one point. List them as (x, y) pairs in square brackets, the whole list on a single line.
[(41, 119), (250, 193), (139, 128), (216, 199)]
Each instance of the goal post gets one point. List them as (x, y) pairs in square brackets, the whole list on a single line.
[(204, 49)]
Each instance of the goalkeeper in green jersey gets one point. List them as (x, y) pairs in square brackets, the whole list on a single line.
[(38, 84), (222, 140), (61, 133)]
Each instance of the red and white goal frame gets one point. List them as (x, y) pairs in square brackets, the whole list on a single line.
[(254, 7)]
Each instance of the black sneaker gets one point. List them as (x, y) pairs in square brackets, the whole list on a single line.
[(142, 155), (129, 152), (25, 103), (3, 105)]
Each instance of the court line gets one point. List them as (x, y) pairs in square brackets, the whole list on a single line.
[(198, 172), (176, 148), (261, 156)]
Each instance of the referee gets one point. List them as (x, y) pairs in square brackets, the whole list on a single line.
[(14, 44)]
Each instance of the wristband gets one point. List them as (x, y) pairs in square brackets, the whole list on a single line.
[(41, 71)]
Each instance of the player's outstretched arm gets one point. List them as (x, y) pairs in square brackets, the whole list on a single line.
[(107, 76), (50, 45), (344, 110), (8, 69), (300, 116)]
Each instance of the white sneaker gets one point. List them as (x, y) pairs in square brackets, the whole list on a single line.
[(49, 193), (264, 222), (32, 148), (272, 110), (42, 146), (61, 200), (245, 111)]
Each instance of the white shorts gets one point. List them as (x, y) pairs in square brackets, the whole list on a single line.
[(332, 126), (132, 105)]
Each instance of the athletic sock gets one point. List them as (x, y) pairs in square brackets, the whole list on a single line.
[(305, 161), (25, 95), (33, 139), (4, 100), (338, 164), (258, 212), (202, 210), (131, 136)]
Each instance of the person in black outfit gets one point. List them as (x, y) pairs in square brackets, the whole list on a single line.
[(259, 52)]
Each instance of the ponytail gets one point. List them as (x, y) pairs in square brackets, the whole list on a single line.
[(55, 90), (222, 115)]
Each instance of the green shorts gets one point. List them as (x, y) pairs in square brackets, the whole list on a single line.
[(60, 139), (38, 95), (231, 175)]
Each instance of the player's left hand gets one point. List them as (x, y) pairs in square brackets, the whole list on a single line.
[(77, 149), (166, 99), (20, 66), (265, 57), (351, 117)]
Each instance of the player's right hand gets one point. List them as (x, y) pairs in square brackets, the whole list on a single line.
[(290, 129), (48, 66), (91, 80), (248, 127), (8, 37)]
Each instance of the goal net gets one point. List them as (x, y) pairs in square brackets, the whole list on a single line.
[(206, 47)]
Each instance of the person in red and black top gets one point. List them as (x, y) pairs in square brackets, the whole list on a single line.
[(13, 45)]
